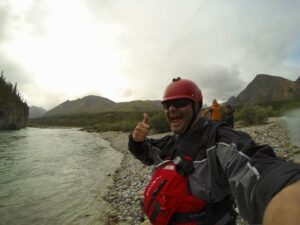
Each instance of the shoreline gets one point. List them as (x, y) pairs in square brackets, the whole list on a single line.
[(125, 193)]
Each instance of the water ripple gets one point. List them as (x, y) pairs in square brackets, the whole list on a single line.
[(53, 176)]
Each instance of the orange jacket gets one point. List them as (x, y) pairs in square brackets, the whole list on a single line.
[(215, 111)]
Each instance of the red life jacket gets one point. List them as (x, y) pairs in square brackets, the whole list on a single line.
[(168, 193)]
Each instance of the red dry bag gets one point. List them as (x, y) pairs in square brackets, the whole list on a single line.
[(167, 193)]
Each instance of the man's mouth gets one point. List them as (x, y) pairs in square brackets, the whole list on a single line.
[(175, 122)]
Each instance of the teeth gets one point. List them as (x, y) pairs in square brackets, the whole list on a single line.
[(175, 121)]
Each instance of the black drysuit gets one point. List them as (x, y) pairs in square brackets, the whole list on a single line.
[(233, 166)]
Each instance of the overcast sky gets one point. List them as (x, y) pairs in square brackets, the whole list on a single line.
[(124, 50)]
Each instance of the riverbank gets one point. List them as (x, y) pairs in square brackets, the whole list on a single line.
[(129, 180)]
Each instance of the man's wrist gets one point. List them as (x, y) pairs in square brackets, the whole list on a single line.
[(284, 207)]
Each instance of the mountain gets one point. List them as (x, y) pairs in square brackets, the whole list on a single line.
[(36, 112), (263, 89), (232, 101), (88, 104), (267, 88), (97, 104)]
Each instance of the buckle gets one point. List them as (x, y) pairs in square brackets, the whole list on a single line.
[(177, 160)]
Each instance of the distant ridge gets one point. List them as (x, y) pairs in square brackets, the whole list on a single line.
[(267, 88), (88, 104), (97, 104), (36, 112), (263, 88)]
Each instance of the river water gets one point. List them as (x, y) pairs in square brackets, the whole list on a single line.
[(293, 121), (54, 176)]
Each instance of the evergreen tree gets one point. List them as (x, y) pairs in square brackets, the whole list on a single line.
[(11, 105)]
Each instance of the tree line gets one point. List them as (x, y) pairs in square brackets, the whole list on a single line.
[(9, 92), (126, 121), (13, 108)]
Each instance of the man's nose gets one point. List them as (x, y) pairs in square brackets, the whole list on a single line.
[(172, 107)]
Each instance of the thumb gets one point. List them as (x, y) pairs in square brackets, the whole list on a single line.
[(146, 118)]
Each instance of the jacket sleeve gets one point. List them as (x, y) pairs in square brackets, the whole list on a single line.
[(140, 150), (147, 150), (254, 173)]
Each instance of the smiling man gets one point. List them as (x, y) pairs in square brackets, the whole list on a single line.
[(182, 102), (206, 168)]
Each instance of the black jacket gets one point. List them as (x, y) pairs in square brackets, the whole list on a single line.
[(227, 163)]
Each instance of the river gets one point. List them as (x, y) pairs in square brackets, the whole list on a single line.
[(293, 120), (54, 176)]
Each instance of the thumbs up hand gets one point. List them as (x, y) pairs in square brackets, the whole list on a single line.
[(141, 130)]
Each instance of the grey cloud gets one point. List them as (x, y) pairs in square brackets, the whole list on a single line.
[(35, 16), (47, 100), (256, 37), (127, 93), (28, 89), (14, 72), (220, 46), (4, 11), (216, 81)]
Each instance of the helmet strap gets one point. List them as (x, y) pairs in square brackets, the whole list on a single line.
[(196, 110)]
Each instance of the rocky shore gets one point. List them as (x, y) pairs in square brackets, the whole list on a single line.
[(124, 196)]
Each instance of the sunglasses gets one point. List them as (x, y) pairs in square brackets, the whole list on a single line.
[(178, 103)]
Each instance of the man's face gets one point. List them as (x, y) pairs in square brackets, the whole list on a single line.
[(179, 114)]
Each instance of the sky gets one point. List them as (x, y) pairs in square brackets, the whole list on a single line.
[(127, 50)]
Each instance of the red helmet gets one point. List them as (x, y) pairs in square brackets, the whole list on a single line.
[(182, 88)]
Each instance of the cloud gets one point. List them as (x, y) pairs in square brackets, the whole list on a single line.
[(139, 46), (13, 72), (256, 36), (3, 20), (215, 81)]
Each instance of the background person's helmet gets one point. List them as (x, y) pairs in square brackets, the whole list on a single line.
[(183, 88)]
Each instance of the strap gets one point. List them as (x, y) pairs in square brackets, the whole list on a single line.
[(189, 153), (201, 218), (188, 217), (213, 132), (155, 212), (219, 213), (209, 137), (209, 210)]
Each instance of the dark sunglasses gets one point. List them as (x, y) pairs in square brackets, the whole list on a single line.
[(178, 103)]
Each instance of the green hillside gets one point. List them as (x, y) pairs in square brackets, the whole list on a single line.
[(88, 104), (107, 121), (265, 96), (101, 114), (265, 89), (96, 104)]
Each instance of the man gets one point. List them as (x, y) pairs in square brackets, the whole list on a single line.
[(205, 168), (229, 110), (215, 111)]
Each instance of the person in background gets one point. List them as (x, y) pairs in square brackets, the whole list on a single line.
[(215, 111), (229, 110), (204, 169)]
